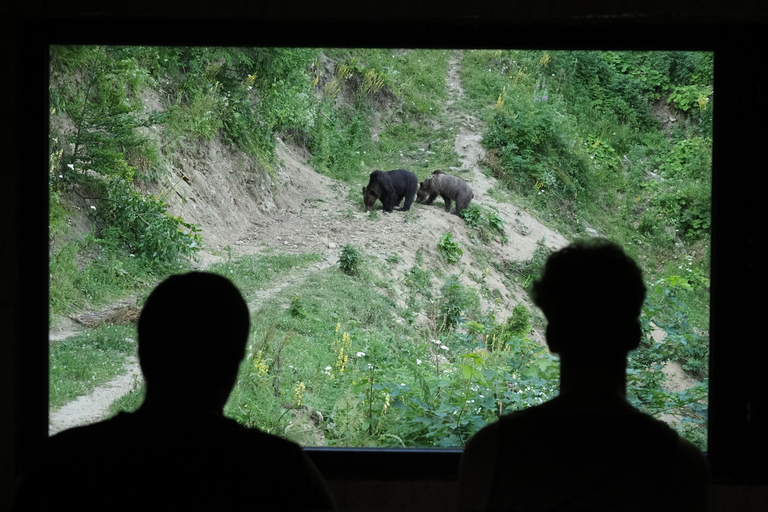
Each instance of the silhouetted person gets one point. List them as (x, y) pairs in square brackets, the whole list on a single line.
[(178, 451), (588, 448)]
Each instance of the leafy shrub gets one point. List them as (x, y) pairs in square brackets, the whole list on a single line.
[(485, 221), (473, 216), (518, 325), (455, 302), (536, 146), (350, 260), (666, 309), (449, 248), (142, 224)]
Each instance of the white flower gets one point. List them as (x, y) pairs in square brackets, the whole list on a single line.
[(436, 342), (360, 354), (418, 361), (71, 166), (444, 347), (93, 207)]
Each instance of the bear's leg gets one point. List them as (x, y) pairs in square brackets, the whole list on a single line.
[(431, 198), (447, 203), (462, 202), (408, 202)]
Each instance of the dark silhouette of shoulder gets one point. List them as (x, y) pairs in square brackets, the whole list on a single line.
[(545, 458), (178, 451), (134, 462)]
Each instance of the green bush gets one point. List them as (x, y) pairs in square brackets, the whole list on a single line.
[(449, 248), (455, 303), (485, 221), (141, 223), (350, 260)]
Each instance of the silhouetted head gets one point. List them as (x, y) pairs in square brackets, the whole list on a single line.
[(591, 293), (192, 335)]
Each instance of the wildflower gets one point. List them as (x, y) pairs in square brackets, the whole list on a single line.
[(71, 167), (443, 347), (298, 392), (418, 361), (360, 354)]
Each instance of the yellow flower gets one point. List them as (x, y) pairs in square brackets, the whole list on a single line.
[(298, 392), (260, 365)]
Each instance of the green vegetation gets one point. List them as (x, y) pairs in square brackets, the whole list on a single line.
[(81, 362), (485, 221), (350, 260), (253, 273), (449, 248), (615, 143)]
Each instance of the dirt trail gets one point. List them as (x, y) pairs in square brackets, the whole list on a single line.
[(313, 213)]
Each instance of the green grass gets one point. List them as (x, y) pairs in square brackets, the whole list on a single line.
[(80, 363), (129, 402), (296, 336), (252, 273), (84, 275)]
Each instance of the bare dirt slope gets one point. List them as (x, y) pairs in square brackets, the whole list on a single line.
[(302, 211)]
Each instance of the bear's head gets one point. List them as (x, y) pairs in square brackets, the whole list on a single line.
[(425, 188), (370, 195)]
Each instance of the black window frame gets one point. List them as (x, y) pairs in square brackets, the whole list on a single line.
[(738, 398)]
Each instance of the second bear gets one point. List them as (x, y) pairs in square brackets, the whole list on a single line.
[(390, 187), (448, 187)]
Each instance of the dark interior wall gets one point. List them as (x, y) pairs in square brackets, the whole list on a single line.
[(738, 271)]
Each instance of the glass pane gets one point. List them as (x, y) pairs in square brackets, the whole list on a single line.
[(410, 328)]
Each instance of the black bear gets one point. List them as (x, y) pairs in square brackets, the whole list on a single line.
[(448, 187), (390, 187)]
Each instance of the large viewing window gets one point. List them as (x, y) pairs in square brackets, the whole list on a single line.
[(628, 144), (410, 329)]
